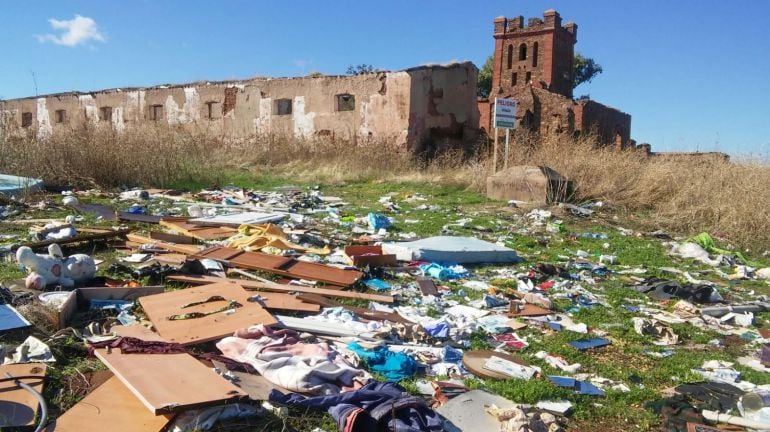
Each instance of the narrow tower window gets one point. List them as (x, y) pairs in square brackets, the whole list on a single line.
[(522, 52), (510, 56), (534, 54), (514, 78)]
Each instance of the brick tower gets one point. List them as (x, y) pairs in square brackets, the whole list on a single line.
[(540, 52)]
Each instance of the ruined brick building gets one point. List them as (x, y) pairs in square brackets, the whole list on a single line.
[(533, 64), (417, 109), (420, 109)]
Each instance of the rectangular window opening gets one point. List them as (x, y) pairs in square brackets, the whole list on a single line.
[(156, 112), (346, 102), (61, 116), (105, 113), (213, 110), (282, 107), (514, 78), (529, 77), (26, 119)]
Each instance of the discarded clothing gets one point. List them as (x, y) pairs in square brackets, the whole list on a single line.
[(394, 366), (282, 359), (32, 350), (129, 345), (205, 418), (720, 397), (375, 407), (660, 289)]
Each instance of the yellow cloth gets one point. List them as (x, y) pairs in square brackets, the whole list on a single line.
[(258, 237)]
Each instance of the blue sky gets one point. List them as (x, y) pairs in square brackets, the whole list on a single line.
[(694, 74)]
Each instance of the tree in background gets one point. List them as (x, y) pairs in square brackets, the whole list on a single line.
[(585, 70), (484, 81), (360, 69)]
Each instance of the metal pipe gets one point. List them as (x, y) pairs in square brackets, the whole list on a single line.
[(43, 407), (734, 420)]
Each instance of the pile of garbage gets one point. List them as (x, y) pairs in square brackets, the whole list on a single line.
[(238, 304)]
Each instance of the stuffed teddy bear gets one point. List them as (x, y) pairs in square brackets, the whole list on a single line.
[(54, 268)]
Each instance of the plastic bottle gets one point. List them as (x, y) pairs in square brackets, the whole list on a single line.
[(755, 405)]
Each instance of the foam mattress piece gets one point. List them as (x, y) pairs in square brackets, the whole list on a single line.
[(449, 249)]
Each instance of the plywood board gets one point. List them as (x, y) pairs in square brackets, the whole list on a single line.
[(283, 266), (137, 331), (182, 226), (160, 307), (169, 383), (18, 407), (110, 407), (185, 249), (238, 219), (247, 284)]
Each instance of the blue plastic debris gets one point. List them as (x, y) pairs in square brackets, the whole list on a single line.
[(580, 387), (378, 221), (632, 309), (440, 272), (598, 236), (377, 284), (584, 344)]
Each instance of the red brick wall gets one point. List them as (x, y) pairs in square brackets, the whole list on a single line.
[(485, 114)]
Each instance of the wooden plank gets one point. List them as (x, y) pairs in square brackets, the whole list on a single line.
[(110, 407), (284, 266), (427, 286), (97, 209), (287, 302), (210, 327), (185, 249), (18, 407), (181, 226), (171, 238), (254, 285), (133, 217), (76, 239), (169, 383)]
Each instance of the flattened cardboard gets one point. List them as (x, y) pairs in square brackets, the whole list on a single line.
[(190, 331), (110, 407), (169, 383), (18, 407), (363, 255)]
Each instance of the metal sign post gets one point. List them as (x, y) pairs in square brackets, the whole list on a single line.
[(505, 118)]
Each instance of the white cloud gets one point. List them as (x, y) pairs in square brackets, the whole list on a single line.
[(76, 31)]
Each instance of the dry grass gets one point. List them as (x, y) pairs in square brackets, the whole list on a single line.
[(685, 195)]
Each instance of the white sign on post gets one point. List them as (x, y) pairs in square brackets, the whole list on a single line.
[(505, 113)]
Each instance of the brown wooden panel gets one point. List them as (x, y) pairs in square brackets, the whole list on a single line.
[(189, 331), (110, 407), (169, 383), (218, 253), (18, 407), (286, 267)]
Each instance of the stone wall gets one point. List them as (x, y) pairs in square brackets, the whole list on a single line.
[(407, 108)]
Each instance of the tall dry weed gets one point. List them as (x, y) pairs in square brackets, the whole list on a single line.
[(684, 195)]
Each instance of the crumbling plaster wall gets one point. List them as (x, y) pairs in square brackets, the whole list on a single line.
[(400, 108), (443, 110)]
